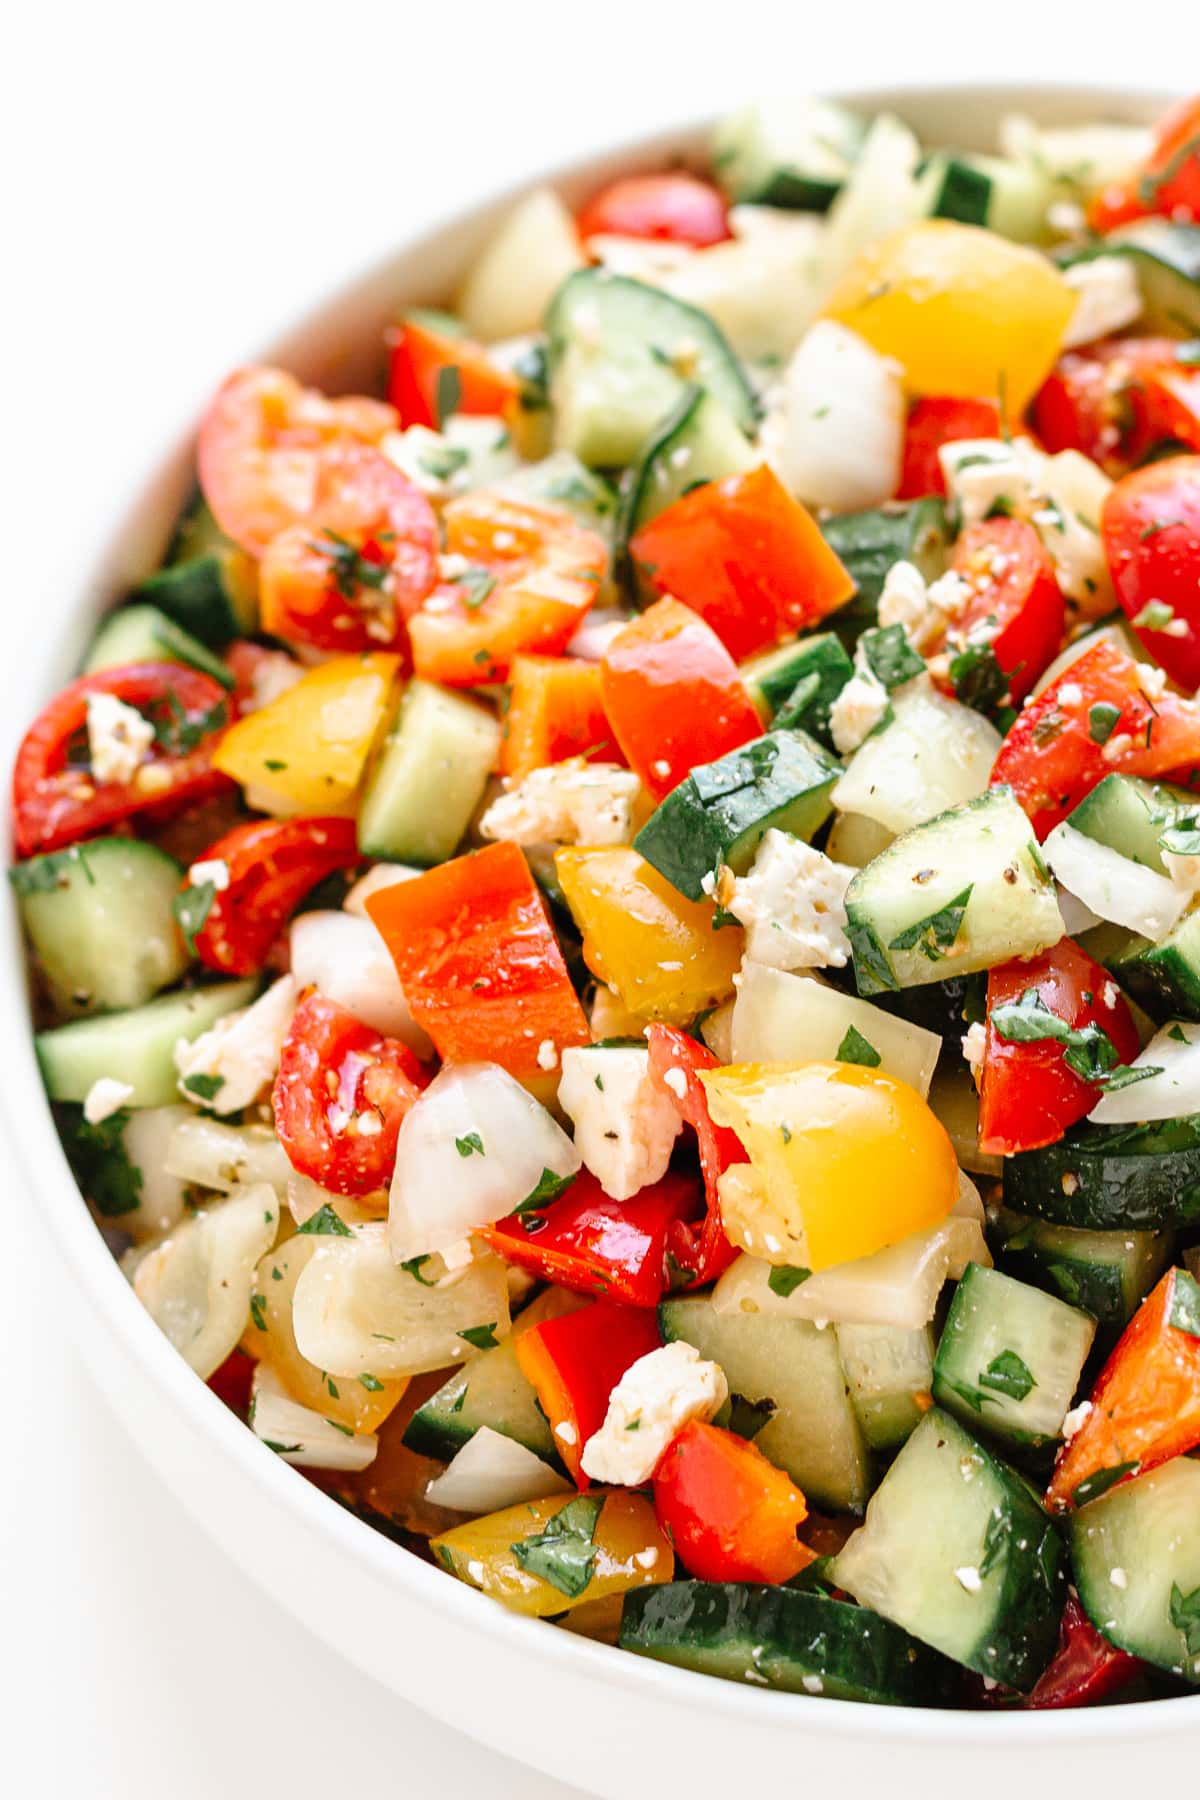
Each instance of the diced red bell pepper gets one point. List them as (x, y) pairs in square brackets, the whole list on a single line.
[(677, 207), (433, 373), (935, 420), (699, 1249), (479, 962), (555, 711), (1145, 1407), (575, 1362), (615, 1249), (731, 1514), (272, 864), (1095, 720), (1015, 595), (745, 556), (674, 696), (1028, 1095), (1086, 1667), (231, 1382)]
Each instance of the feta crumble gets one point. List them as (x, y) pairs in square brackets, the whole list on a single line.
[(547, 1056), (625, 1126), (212, 873), (1109, 299), (925, 611), (974, 1044), (654, 1399), (227, 1067), (104, 1098), (1073, 1422), (969, 1578), (573, 802), (118, 738), (858, 709), (792, 904)]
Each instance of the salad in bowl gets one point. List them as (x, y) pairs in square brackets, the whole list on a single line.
[(614, 937)]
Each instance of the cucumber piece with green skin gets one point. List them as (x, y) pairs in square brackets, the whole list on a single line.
[(101, 923), (620, 354), (724, 809), (429, 776), (788, 153), (490, 1390), (208, 585), (136, 1047), (141, 633), (783, 1638), (798, 683), (960, 893), (991, 191), (1166, 260), (1129, 815), (1107, 1273), (1164, 977), (957, 1550), (1136, 1557), (561, 480), (1111, 1177), (813, 1433), (1010, 1357), (890, 1372), (697, 442), (928, 755), (869, 542)]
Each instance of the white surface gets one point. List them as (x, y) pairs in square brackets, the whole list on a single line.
[(180, 175)]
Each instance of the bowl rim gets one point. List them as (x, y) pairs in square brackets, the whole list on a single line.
[(34, 1143)]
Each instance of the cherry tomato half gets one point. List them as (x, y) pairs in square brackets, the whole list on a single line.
[(1150, 523), (1117, 398), (1015, 595), (271, 865), (935, 420), (680, 208)]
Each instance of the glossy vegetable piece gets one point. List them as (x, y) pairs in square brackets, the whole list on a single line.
[(1145, 1406), (307, 750), (545, 1557), (1029, 1095), (675, 207), (479, 962), (1016, 599), (56, 802), (731, 1515), (1085, 1669), (270, 866), (932, 422), (963, 311), (848, 1160), (1114, 399), (575, 1362), (433, 373), (674, 696), (747, 557), (555, 711), (1151, 530), (583, 1240), (529, 576), (700, 1250), (1094, 720), (1168, 184), (640, 936)]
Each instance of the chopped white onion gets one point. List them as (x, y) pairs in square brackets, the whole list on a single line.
[(211, 1154), (491, 1472), (597, 632), (146, 1139), (345, 958), (844, 421), (1175, 1053), (511, 281), (1111, 885), (383, 875), (301, 1436)]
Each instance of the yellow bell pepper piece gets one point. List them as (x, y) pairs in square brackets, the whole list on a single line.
[(596, 1544), (640, 936), (308, 749), (849, 1160), (964, 312)]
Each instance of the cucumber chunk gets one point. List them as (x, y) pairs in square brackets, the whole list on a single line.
[(1164, 976), (137, 1046), (208, 586), (620, 354), (724, 809), (783, 1638), (1107, 1273), (1010, 1357), (798, 683), (794, 153), (890, 1372), (956, 1550), (1129, 815), (996, 192), (489, 1390), (1166, 257), (100, 922), (934, 754), (697, 442), (141, 633), (429, 776), (813, 1433), (869, 542), (1111, 1177), (560, 479), (960, 893), (1136, 1556)]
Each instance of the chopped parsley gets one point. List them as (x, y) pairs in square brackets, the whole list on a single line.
[(1185, 1616), (1008, 1374), (890, 657), (480, 1337), (1182, 838), (102, 1166), (547, 1189), (748, 1417), (258, 1311), (1101, 1481), (191, 907), (179, 732), (447, 394), (47, 874), (413, 1267), (204, 1087), (564, 1552), (1088, 1051), (870, 958), (1102, 721), (934, 934), (470, 1145), (855, 1048), (786, 1279), (977, 678), (372, 1383), (350, 569), (474, 585), (324, 1223), (995, 1542)]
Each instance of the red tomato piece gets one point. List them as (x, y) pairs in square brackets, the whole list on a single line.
[(272, 864), (1116, 398), (479, 962), (677, 207), (1015, 594), (340, 1097), (555, 711), (1168, 184), (1086, 1667), (674, 696), (261, 445), (57, 802), (933, 421), (615, 1249), (745, 556), (434, 373), (1028, 1095), (1150, 523), (1060, 746), (701, 1249), (731, 1514), (1146, 1402), (359, 566), (574, 1363)]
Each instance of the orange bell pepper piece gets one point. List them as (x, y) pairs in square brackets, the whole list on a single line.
[(731, 1514), (555, 711)]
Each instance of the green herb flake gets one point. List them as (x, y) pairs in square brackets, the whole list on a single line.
[(935, 934), (413, 1267), (350, 569), (995, 1542), (1182, 838), (748, 1417), (204, 1087), (786, 1279), (1185, 1304), (474, 585), (1007, 1374), (470, 1145), (564, 1552), (1185, 1616), (447, 394), (549, 1187), (872, 969), (480, 1337), (191, 907), (977, 678), (324, 1223), (258, 1311), (372, 1383), (1156, 615), (48, 874), (273, 763), (890, 657), (181, 732), (1101, 1481), (855, 1048), (1102, 721), (101, 1164)]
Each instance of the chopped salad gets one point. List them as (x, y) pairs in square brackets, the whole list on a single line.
[(615, 935)]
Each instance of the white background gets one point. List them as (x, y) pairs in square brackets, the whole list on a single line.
[(178, 180)]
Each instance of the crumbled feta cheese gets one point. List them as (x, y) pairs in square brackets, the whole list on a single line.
[(104, 1098), (1067, 218), (647, 1558), (969, 1578), (1151, 680), (228, 1067), (118, 738), (573, 802), (676, 1080), (646, 259), (456, 1256), (983, 472), (625, 1126), (1061, 496), (924, 611), (566, 1433), (547, 1056), (792, 904), (654, 1399), (1119, 1578), (1074, 1420), (1070, 693), (214, 872), (1109, 299), (273, 674), (974, 1043), (856, 712)]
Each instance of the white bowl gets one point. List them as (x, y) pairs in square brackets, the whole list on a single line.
[(589, 1714)]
